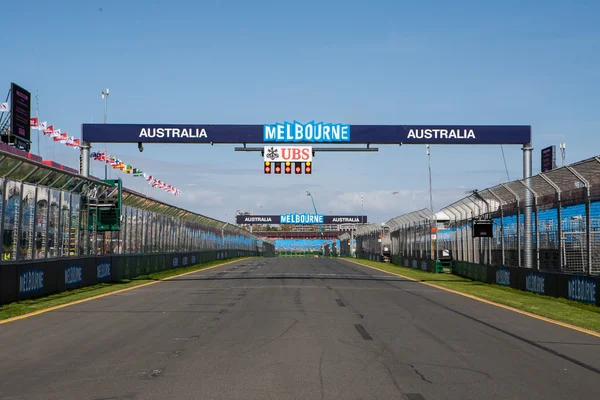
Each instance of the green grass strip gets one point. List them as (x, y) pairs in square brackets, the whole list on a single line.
[(559, 309), (57, 299)]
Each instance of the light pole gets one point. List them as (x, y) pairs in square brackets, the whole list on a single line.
[(105, 97), (563, 151), (430, 190)]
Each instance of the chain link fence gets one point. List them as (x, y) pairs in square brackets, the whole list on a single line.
[(556, 214)]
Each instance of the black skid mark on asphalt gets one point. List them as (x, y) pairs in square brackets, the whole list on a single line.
[(361, 316), (513, 335), (321, 373), (391, 375), (414, 396), (126, 397), (340, 302), (363, 332), (269, 341), (419, 373), (224, 311)]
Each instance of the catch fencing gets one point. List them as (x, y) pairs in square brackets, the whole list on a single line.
[(556, 214), (563, 206), (48, 215)]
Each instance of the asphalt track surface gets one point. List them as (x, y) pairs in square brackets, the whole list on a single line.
[(293, 329)]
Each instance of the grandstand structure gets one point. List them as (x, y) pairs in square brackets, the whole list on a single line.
[(307, 239)]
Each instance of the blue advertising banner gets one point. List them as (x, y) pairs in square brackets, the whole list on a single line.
[(311, 132), (300, 219)]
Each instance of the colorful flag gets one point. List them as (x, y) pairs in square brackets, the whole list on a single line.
[(72, 142), (33, 123), (4, 107)]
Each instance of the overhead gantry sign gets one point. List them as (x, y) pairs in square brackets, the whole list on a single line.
[(312, 132), (315, 132)]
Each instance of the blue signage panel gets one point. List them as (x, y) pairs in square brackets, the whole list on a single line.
[(301, 219), (308, 218), (311, 132)]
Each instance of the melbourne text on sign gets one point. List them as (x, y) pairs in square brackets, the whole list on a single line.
[(310, 132)]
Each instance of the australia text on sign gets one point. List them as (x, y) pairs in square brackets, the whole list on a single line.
[(310, 132), (287, 153), (173, 133), (244, 219), (441, 134)]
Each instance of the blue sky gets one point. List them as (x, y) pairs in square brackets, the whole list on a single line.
[(378, 62)]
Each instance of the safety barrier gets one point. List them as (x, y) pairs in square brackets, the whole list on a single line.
[(560, 207), (58, 232), (41, 278)]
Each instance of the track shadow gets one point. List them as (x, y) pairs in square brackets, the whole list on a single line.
[(270, 277)]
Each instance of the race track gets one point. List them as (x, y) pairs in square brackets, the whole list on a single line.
[(301, 328)]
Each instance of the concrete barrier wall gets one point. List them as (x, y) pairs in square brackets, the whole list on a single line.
[(41, 278)]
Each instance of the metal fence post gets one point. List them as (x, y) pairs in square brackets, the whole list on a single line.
[(536, 226), (518, 215), (475, 212), (454, 236), (501, 206), (558, 216), (465, 241), (527, 150), (588, 218)]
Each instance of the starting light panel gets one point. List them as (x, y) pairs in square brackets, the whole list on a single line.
[(288, 167)]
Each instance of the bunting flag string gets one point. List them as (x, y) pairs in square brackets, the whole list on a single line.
[(118, 164), (63, 137)]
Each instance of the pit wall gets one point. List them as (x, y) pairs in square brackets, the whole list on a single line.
[(21, 281), (581, 288)]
